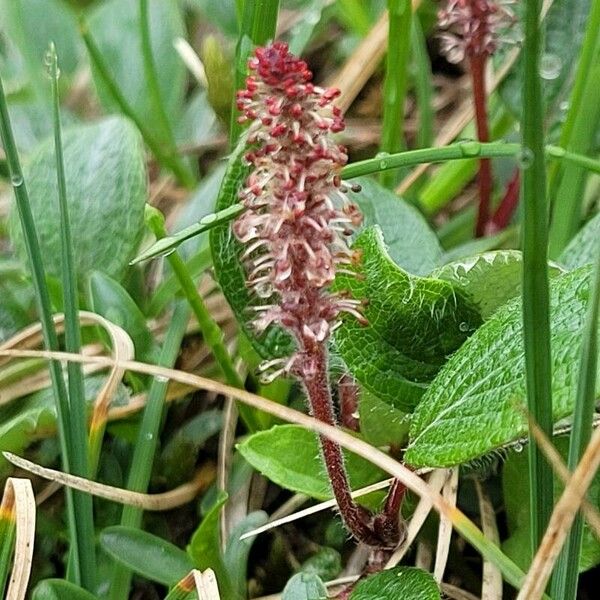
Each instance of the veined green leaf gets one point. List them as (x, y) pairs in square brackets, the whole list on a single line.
[(289, 455), (475, 404), (107, 188), (489, 279), (407, 583), (582, 248), (414, 324)]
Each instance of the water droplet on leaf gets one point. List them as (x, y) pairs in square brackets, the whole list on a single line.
[(550, 66)]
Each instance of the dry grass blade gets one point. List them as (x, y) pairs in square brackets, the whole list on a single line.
[(191, 60), (31, 337), (206, 585), (589, 511), (18, 501), (311, 510), (560, 523), (378, 458), (491, 588), (436, 481), (361, 64), (155, 502), (449, 493)]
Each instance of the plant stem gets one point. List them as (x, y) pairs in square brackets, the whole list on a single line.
[(147, 440), (396, 80), (484, 179), (321, 406), (168, 158), (536, 309), (211, 332), (566, 572), (259, 22), (75, 508), (77, 402)]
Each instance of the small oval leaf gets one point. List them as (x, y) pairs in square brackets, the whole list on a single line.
[(146, 554), (408, 583), (289, 455), (304, 586)]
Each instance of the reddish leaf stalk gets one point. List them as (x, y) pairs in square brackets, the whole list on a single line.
[(295, 229), (507, 206), (348, 394)]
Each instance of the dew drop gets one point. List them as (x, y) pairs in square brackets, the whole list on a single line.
[(518, 447), (557, 152), (16, 180), (550, 66), (470, 148), (564, 105), (525, 158), (161, 379), (149, 437)]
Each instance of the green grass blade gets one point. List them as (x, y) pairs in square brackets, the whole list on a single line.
[(147, 440), (77, 403), (566, 573), (150, 74), (423, 85), (569, 199), (259, 21), (536, 317), (45, 314), (396, 81), (211, 332), (7, 539), (166, 157)]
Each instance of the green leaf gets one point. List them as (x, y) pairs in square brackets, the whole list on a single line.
[(411, 243), (289, 455), (582, 249), (380, 423), (59, 589), (146, 554), (304, 586), (326, 563), (564, 30), (106, 189), (515, 483), (237, 551), (115, 27), (475, 404), (489, 279), (408, 583), (414, 324), (205, 548)]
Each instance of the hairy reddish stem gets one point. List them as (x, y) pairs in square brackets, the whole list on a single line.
[(316, 383), (477, 63)]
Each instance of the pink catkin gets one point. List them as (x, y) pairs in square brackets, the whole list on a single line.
[(474, 27), (298, 217)]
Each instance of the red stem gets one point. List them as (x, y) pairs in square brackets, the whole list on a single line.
[(316, 382), (507, 206), (477, 63)]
